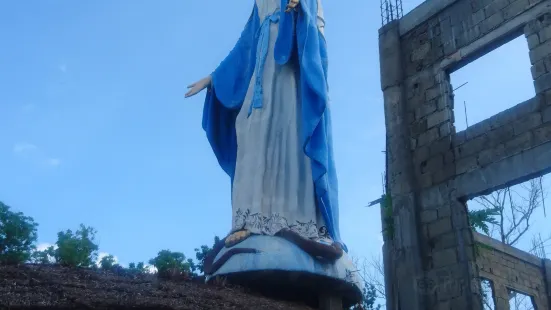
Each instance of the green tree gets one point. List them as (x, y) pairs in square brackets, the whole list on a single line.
[(369, 301), (201, 255), (141, 267), (17, 236), (371, 272), (43, 257), (107, 262), (138, 268), (479, 219), (510, 212), (171, 264), (77, 249)]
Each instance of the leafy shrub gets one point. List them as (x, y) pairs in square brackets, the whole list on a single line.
[(76, 249), (172, 264), (139, 268), (43, 257), (107, 262), (481, 218), (369, 301), (17, 236), (201, 255)]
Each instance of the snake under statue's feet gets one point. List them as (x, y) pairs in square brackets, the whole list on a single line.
[(236, 237)]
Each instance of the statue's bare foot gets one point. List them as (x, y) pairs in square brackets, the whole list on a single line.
[(236, 237)]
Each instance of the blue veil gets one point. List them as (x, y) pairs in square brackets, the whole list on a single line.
[(230, 82)]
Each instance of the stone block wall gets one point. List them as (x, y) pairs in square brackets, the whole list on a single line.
[(432, 169), (547, 272), (508, 269)]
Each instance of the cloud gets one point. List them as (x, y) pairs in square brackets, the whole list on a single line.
[(24, 147), (31, 152), (150, 268), (54, 162), (44, 246)]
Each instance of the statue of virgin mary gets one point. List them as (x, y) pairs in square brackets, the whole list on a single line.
[(267, 118)]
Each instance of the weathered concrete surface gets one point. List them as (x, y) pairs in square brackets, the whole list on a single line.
[(404, 255), (547, 271), (510, 268), (421, 13), (431, 169)]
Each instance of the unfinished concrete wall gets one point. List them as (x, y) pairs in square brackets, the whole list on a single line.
[(509, 268), (431, 169)]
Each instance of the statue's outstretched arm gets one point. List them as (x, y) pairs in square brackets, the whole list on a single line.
[(237, 56), (198, 86)]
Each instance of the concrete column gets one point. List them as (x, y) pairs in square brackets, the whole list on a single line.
[(387, 260), (402, 255), (547, 273), (501, 297)]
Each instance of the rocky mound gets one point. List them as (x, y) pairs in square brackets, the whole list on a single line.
[(55, 287)]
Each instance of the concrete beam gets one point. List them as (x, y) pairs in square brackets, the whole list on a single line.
[(492, 40), (507, 249), (508, 172), (422, 13)]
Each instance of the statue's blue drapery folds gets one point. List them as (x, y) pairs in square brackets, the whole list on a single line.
[(230, 82)]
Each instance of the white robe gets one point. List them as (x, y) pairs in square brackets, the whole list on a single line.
[(273, 187)]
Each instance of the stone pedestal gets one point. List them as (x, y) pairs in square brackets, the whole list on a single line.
[(278, 268), (328, 301)]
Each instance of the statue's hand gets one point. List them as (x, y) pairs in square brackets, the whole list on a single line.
[(292, 5), (198, 86)]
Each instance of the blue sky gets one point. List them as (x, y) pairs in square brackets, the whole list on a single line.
[(95, 128)]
